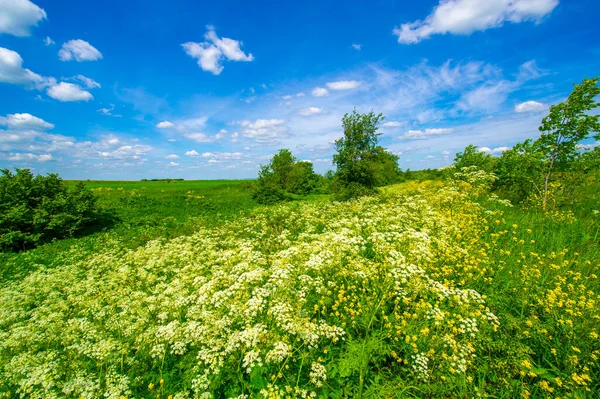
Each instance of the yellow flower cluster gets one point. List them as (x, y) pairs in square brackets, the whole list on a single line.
[(291, 301)]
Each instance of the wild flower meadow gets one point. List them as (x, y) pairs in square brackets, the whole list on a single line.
[(426, 290)]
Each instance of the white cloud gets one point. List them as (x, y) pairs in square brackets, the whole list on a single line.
[(288, 97), (463, 17), (222, 156), (495, 151), (488, 97), (192, 153), (393, 124), (301, 94), (172, 156), (87, 82), (211, 53), (357, 46), (530, 106), (48, 41), (30, 157), (199, 137), (165, 125), (320, 92), (25, 121), (79, 50), (173, 164), (192, 123), (589, 146), (310, 111), (17, 17), (12, 71), (343, 85), (127, 152), (67, 92), (424, 134), (108, 111), (264, 130)]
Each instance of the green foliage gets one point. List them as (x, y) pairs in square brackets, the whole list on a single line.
[(268, 189), (284, 175), (385, 167), (302, 179), (554, 166), (282, 165), (37, 209), (361, 164), (471, 156)]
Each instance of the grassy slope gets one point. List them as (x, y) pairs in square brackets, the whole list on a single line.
[(540, 278), (142, 211)]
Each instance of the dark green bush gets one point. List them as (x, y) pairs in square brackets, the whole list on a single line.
[(284, 178), (36, 209)]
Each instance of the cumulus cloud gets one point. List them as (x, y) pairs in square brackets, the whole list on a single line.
[(12, 71), (495, 151), (310, 111), (530, 106), (192, 153), (78, 50), (426, 133), (173, 164), (48, 41), (343, 85), (218, 157), (211, 53), (463, 17), (165, 125), (68, 92), (356, 46), (172, 156), (30, 157), (17, 17), (127, 152), (25, 121), (320, 92), (264, 130)]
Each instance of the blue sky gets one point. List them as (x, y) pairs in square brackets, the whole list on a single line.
[(201, 90)]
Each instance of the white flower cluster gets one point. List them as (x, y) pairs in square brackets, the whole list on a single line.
[(244, 308)]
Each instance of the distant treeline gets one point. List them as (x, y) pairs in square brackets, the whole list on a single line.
[(167, 180)]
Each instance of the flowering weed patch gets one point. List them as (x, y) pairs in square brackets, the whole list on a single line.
[(409, 294)]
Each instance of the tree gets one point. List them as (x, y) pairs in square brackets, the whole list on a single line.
[(472, 156), (385, 166), (565, 126), (519, 170), (282, 165), (302, 179), (355, 155)]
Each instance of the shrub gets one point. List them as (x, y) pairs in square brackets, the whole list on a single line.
[(37, 209), (283, 176), (267, 189)]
